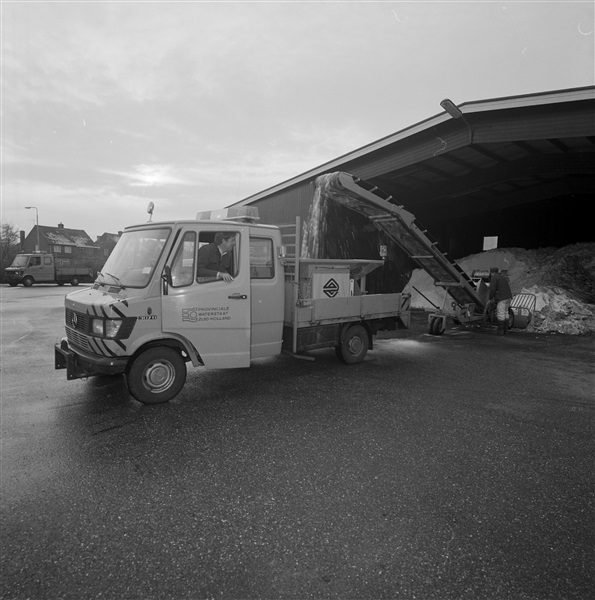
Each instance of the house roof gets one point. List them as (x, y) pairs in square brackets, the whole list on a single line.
[(114, 237), (66, 237)]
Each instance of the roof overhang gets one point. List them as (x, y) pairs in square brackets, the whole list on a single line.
[(499, 152)]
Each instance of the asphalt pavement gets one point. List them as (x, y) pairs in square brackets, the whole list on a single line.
[(451, 467)]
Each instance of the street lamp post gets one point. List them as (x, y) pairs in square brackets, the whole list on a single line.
[(37, 223)]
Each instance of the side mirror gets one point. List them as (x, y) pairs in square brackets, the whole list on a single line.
[(166, 277)]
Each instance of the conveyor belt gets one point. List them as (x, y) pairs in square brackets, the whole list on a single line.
[(399, 225)]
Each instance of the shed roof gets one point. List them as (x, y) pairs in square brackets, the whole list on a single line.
[(499, 152)]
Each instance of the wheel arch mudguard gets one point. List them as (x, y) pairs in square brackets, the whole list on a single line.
[(175, 342)]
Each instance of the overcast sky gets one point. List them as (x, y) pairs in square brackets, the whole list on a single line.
[(196, 105)]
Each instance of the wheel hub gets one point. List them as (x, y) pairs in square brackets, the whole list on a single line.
[(158, 376), (355, 345)]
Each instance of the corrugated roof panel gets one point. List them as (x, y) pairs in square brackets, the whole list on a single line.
[(451, 165)]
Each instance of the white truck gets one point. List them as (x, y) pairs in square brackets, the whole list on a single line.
[(150, 312), (42, 268)]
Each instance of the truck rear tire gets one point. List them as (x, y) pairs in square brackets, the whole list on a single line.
[(436, 326), (28, 281), (354, 346), (74, 281), (157, 375)]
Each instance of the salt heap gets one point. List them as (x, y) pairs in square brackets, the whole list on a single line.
[(561, 279)]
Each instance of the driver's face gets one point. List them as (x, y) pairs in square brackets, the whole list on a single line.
[(229, 243)]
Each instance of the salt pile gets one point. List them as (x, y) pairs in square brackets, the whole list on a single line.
[(561, 279)]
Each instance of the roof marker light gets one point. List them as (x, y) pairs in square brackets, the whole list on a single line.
[(242, 214)]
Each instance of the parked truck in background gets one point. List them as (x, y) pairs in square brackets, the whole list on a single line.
[(43, 268), (149, 313)]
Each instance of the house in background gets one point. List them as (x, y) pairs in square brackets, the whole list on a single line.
[(70, 247), (106, 243)]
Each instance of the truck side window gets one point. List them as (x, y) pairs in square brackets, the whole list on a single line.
[(47, 260), (35, 261), (261, 258), (182, 270), (211, 261)]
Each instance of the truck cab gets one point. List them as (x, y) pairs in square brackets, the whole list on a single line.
[(154, 306), (30, 268)]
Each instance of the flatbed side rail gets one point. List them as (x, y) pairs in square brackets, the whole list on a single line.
[(399, 224)]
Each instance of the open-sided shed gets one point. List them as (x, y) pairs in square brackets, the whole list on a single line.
[(519, 168)]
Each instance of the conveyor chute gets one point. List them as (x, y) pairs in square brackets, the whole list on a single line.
[(399, 225)]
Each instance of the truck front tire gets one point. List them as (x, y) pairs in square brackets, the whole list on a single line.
[(157, 375), (354, 346)]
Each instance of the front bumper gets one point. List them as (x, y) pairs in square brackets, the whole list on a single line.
[(79, 365), (12, 278)]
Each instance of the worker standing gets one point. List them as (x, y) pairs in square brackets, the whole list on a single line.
[(501, 294)]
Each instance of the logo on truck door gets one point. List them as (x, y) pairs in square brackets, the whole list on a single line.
[(212, 313), (331, 288)]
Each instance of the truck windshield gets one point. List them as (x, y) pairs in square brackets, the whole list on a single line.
[(133, 260), (20, 261)]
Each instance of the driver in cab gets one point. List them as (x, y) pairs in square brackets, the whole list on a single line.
[(214, 259)]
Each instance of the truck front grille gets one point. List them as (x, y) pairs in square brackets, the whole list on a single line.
[(77, 326), (77, 320), (77, 339)]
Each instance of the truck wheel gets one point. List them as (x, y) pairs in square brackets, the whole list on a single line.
[(74, 281), (13, 284), (156, 375), (437, 326), (354, 347), (28, 281), (60, 283)]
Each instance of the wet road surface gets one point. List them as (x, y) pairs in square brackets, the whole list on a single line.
[(447, 467)]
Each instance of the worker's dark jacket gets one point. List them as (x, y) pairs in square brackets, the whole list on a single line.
[(210, 261), (499, 288)]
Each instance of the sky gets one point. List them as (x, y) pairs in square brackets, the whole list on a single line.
[(107, 106)]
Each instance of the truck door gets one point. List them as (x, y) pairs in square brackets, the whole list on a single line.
[(38, 270), (213, 314), (47, 272), (267, 281)]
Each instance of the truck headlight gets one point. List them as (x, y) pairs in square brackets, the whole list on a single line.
[(112, 326), (106, 327), (97, 327)]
